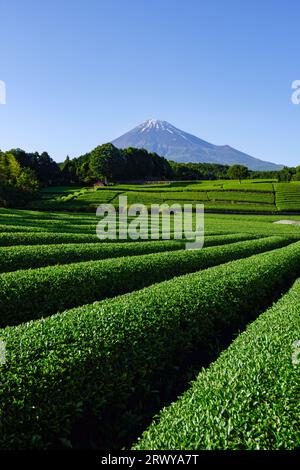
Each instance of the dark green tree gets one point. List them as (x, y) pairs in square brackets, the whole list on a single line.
[(296, 176), (68, 171), (27, 181), (286, 174), (107, 163), (47, 171), (238, 172)]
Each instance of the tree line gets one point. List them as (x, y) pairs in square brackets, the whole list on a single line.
[(288, 174), (109, 164), (22, 173)]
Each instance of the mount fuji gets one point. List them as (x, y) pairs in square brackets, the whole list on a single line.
[(168, 141)]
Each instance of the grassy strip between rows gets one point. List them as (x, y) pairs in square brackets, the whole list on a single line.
[(95, 369), (247, 399), (25, 257), (57, 227), (29, 294), (5, 228), (66, 229)]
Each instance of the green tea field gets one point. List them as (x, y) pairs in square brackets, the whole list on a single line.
[(149, 233), (144, 344), (259, 196)]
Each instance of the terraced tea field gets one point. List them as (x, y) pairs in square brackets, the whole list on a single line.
[(287, 196), (102, 336)]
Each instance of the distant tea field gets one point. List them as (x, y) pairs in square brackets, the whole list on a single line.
[(144, 344), (252, 196)]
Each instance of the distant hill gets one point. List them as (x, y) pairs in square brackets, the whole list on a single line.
[(168, 141)]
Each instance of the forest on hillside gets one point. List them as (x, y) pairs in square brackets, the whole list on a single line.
[(22, 173)]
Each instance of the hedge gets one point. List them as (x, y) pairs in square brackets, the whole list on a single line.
[(248, 399), (35, 293), (95, 369), (36, 256), (25, 257), (19, 229), (37, 238)]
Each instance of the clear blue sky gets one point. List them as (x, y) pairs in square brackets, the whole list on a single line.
[(82, 72)]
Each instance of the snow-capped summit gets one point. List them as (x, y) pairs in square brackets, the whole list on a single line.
[(170, 142), (153, 124)]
